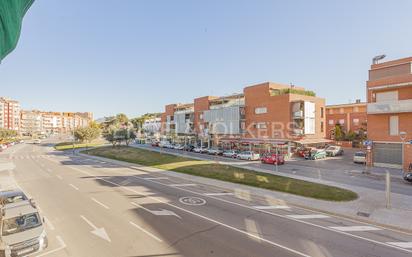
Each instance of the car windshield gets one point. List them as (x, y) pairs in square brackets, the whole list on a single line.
[(20, 223), (13, 198), (360, 154), (331, 148)]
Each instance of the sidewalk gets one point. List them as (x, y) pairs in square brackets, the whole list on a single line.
[(370, 207)]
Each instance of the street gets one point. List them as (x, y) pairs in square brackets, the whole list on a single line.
[(98, 208)]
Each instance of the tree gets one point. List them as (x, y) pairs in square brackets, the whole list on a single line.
[(350, 136), (7, 134), (338, 132), (87, 134)]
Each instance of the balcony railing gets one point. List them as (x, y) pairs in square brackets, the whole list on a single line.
[(297, 132), (390, 107), (297, 115)]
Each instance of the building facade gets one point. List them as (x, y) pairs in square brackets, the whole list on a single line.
[(9, 114), (262, 116), (389, 112), (350, 117)]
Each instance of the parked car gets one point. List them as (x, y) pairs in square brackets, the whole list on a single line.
[(272, 158), (155, 143), (188, 148), (215, 151), (230, 153), (408, 177), (3, 147), (37, 141), (359, 157), (302, 151), (200, 149), (248, 155), (12, 196), (164, 144), (178, 147), (315, 154), (334, 150)]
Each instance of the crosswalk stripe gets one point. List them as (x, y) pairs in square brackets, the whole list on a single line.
[(407, 245), (308, 216), (356, 228), (271, 207)]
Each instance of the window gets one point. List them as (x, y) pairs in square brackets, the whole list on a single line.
[(331, 122), (321, 112), (201, 116), (260, 110), (356, 109), (356, 121), (393, 125), (321, 126), (387, 96), (342, 121)]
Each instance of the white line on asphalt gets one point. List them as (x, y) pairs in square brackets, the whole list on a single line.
[(182, 185), (356, 228), (156, 178), (145, 231), (49, 224), (76, 188), (49, 170), (282, 216), (271, 207), (103, 205), (61, 247), (194, 214), (59, 177), (407, 245), (308, 216), (219, 194)]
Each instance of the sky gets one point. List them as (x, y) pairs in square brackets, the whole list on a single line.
[(135, 56)]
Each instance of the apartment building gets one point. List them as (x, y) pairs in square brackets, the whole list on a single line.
[(152, 126), (389, 112), (350, 117), (262, 116), (39, 122), (9, 114)]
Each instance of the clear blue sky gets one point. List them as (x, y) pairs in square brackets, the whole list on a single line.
[(136, 56)]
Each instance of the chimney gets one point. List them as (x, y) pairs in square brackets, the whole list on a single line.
[(358, 101)]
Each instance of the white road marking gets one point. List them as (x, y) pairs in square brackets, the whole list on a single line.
[(182, 185), (355, 228), (145, 231), (193, 213), (61, 247), (309, 216), (49, 224), (156, 178), (101, 204), (162, 212), (100, 232), (271, 207), (407, 245), (76, 188), (49, 170), (219, 194), (59, 177)]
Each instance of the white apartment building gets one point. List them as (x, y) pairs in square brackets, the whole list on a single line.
[(9, 114)]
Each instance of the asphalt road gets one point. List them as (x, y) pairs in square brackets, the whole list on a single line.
[(340, 169), (98, 208)]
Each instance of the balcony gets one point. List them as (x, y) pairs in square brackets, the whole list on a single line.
[(297, 132), (297, 115), (390, 107)]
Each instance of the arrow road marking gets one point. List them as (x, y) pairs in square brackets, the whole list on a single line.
[(162, 212), (100, 232)]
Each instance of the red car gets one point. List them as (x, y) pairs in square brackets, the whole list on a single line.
[(155, 143), (303, 151), (272, 158)]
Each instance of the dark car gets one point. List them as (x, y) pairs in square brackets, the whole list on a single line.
[(188, 148), (272, 158), (408, 177)]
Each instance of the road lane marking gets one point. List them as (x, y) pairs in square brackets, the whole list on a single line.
[(309, 216), (182, 185), (49, 170), (407, 245), (355, 228), (145, 231), (101, 204), (271, 207), (61, 247), (194, 214), (219, 194), (100, 232), (73, 186), (162, 212), (59, 177), (156, 178)]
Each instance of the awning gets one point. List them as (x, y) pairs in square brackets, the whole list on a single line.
[(11, 16), (309, 141)]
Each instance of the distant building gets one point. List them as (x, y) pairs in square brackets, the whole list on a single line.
[(151, 127), (351, 117), (9, 114)]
